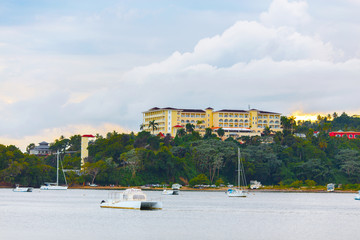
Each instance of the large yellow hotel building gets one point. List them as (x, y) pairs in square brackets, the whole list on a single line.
[(236, 123)]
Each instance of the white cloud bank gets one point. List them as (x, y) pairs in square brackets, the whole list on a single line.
[(270, 64)]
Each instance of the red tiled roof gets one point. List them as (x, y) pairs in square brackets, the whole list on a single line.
[(178, 126), (88, 136)]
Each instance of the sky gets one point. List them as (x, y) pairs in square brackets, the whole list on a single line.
[(85, 67)]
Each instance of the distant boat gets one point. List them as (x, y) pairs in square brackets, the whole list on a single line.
[(22, 189), (357, 197), (240, 190), (175, 189), (130, 199), (330, 187), (55, 186), (255, 184)]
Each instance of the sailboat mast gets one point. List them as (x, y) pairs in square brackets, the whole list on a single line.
[(238, 167), (57, 168)]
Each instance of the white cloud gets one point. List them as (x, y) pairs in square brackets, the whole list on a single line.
[(284, 13), (270, 64)]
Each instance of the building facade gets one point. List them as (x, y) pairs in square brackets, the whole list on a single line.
[(234, 122), (42, 150), (349, 135)]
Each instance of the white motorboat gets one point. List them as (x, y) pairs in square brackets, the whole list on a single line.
[(255, 184), (22, 189), (330, 187), (167, 192), (130, 199), (357, 197), (170, 192), (240, 190), (175, 188), (55, 186)]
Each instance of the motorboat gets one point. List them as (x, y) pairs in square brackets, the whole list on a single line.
[(170, 192), (357, 197), (255, 184), (130, 199), (330, 187), (22, 189), (175, 189), (240, 190), (55, 186), (176, 186)]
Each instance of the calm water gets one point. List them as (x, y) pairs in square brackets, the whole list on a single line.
[(75, 214)]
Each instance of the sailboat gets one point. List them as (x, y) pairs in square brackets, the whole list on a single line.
[(240, 190), (55, 186)]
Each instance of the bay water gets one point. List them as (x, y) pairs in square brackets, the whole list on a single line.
[(76, 214)]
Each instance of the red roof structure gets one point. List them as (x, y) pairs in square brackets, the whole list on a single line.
[(349, 135), (89, 135), (178, 126)]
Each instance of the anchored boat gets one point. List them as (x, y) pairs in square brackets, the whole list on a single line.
[(22, 189), (357, 197), (240, 191), (55, 186), (130, 199)]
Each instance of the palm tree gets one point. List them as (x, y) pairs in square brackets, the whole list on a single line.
[(199, 122), (142, 126), (153, 125), (181, 132), (190, 127), (220, 132)]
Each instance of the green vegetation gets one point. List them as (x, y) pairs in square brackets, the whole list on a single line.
[(280, 159)]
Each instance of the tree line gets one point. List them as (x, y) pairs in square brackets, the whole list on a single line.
[(275, 158)]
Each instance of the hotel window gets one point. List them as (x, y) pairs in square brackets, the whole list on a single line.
[(192, 121), (236, 120), (350, 136), (241, 116), (220, 120), (231, 120), (220, 125), (187, 121), (225, 115), (241, 121), (225, 125), (192, 115), (226, 120), (231, 115), (236, 115), (236, 125), (182, 121), (187, 115), (220, 115)]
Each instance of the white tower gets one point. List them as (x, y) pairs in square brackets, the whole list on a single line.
[(84, 148)]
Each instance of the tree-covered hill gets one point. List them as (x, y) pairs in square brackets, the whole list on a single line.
[(279, 158)]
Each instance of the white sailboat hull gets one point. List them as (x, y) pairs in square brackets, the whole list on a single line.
[(44, 187), (236, 193)]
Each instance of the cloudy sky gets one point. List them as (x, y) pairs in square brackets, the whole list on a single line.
[(86, 66)]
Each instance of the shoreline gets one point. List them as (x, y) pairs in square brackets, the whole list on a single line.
[(223, 189)]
